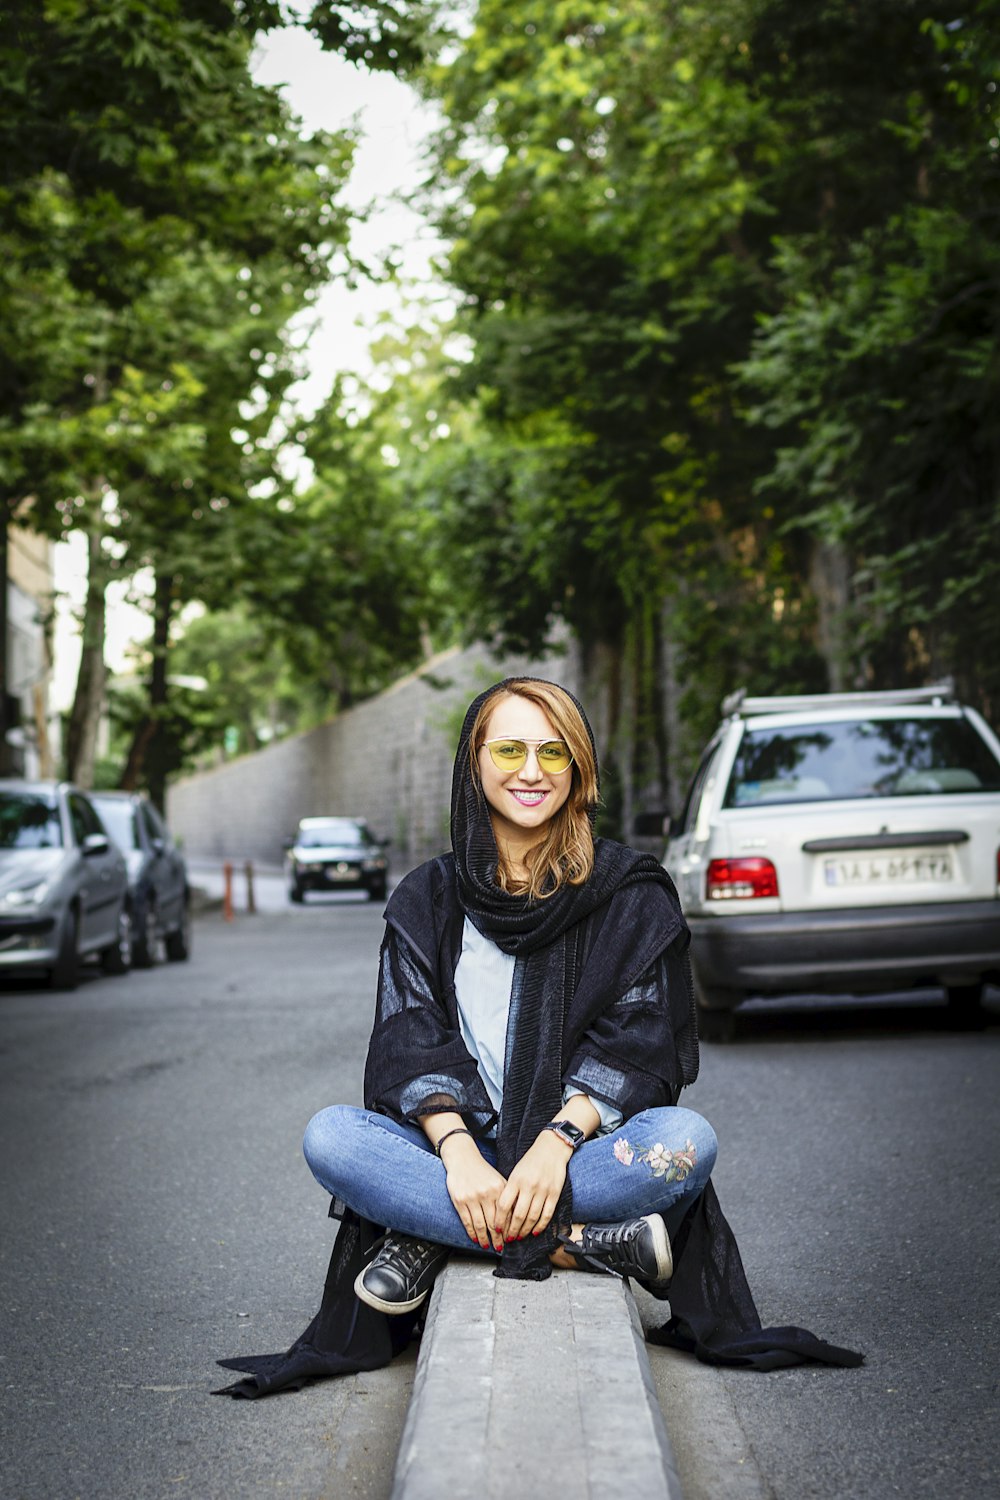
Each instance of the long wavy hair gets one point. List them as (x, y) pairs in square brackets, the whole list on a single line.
[(565, 854)]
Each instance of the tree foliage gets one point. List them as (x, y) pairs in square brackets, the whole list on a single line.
[(879, 377), (729, 274), (158, 236), (721, 392)]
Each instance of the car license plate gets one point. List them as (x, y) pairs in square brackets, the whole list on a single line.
[(332, 873), (929, 867)]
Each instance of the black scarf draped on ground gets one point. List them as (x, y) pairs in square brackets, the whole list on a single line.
[(578, 952)]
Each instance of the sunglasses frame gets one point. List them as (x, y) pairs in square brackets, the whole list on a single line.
[(517, 739)]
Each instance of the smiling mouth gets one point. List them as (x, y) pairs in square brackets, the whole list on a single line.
[(528, 799)]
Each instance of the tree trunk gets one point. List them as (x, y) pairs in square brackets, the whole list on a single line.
[(88, 701), (830, 578), (670, 695), (148, 756), (601, 676)]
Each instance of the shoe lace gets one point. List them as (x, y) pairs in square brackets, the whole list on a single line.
[(409, 1252), (611, 1236), (591, 1260)]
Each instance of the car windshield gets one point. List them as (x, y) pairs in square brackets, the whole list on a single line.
[(28, 822), (861, 758), (118, 817), (333, 831)]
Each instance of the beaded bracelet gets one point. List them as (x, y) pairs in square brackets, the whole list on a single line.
[(458, 1130)]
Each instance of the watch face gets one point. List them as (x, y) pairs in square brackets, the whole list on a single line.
[(574, 1132)]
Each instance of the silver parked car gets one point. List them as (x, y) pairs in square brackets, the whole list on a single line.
[(842, 843), (63, 884)]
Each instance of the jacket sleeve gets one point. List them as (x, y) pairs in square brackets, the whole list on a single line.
[(417, 1061), (627, 1056)]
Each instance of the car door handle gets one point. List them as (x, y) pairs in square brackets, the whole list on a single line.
[(887, 841)]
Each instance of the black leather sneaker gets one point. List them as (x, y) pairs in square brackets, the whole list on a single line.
[(401, 1274), (633, 1247)]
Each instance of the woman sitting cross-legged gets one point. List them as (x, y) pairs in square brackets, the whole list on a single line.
[(534, 1029)]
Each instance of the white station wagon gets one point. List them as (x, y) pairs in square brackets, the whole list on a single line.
[(843, 842)]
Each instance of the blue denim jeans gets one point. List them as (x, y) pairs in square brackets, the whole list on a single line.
[(656, 1162)]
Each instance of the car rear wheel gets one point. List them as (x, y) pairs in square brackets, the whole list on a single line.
[(65, 972), (178, 942), (117, 959), (147, 939), (965, 1006)]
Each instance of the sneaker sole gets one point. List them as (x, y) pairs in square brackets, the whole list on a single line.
[(379, 1303), (661, 1245)]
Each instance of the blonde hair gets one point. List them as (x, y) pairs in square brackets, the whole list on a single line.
[(565, 854)]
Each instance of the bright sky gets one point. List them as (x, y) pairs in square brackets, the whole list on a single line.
[(328, 94)]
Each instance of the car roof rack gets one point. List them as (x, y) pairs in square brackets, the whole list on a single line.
[(739, 706)]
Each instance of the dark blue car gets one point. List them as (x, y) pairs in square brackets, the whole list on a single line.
[(157, 875)]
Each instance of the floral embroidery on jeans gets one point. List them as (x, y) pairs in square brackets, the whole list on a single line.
[(673, 1166)]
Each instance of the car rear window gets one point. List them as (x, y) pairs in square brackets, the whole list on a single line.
[(861, 758), (28, 822)]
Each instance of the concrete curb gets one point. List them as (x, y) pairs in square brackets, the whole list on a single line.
[(521, 1378)]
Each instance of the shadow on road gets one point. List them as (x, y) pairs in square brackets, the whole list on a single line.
[(840, 1018)]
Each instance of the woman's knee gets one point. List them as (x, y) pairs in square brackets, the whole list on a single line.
[(327, 1133), (680, 1129), (697, 1129)]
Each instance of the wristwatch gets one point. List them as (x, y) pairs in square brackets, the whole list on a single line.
[(566, 1131)]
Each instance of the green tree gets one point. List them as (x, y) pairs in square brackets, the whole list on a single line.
[(877, 370), (134, 220), (665, 218), (341, 568), (610, 232)]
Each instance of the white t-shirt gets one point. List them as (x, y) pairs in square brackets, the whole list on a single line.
[(484, 981)]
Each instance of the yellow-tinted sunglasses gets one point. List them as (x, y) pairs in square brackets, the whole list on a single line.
[(510, 755)]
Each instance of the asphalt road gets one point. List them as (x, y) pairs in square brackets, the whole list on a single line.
[(157, 1214)]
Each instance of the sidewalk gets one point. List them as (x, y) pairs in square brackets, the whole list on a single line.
[(207, 882), (206, 877)]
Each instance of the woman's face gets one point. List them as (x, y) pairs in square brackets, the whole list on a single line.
[(523, 801)]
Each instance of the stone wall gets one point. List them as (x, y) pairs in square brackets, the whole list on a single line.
[(388, 760)]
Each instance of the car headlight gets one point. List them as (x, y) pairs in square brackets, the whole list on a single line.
[(373, 864), (308, 865), (28, 895)]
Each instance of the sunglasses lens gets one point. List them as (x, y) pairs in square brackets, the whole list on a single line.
[(554, 756), (508, 755)]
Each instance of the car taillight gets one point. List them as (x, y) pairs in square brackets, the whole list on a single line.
[(740, 879)]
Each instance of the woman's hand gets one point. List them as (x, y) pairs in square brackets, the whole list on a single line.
[(474, 1187), (529, 1200)]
